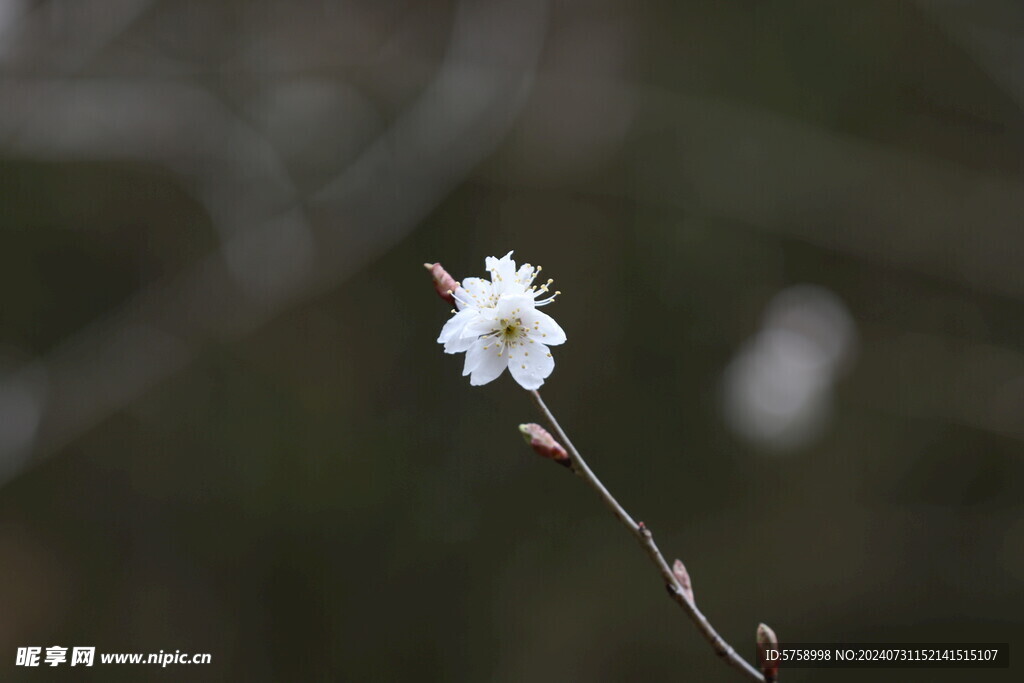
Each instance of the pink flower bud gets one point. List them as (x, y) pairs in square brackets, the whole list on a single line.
[(444, 283), (766, 640), (544, 444), (683, 577)]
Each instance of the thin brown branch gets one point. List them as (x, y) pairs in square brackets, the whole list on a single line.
[(646, 540)]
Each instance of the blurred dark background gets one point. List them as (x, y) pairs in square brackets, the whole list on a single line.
[(789, 239)]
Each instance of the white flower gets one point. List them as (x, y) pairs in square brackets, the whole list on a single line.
[(497, 325), (477, 295)]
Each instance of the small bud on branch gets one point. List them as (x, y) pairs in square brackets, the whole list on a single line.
[(683, 577), (766, 640), (444, 283), (544, 444)]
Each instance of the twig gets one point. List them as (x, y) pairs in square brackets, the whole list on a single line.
[(646, 540)]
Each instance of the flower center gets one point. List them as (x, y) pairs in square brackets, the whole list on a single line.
[(512, 330), (510, 334)]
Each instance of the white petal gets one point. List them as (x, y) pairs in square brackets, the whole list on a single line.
[(524, 276), (453, 330), (543, 328), (503, 273), (483, 325), (513, 306), (455, 324), (531, 365), (495, 263), (462, 300), (459, 344), (484, 365), (479, 292), (473, 356)]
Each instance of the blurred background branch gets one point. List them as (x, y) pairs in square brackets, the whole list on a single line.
[(271, 253)]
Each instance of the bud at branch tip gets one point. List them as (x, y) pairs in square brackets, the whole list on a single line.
[(766, 640), (444, 284)]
